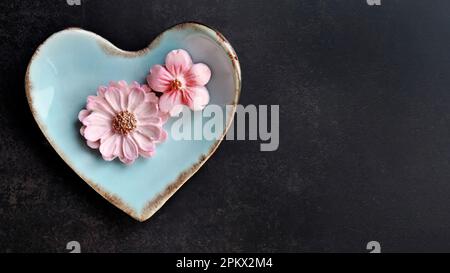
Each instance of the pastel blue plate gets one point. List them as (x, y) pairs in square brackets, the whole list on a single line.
[(71, 64)]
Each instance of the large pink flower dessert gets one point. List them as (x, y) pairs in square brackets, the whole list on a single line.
[(181, 82), (123, 121)]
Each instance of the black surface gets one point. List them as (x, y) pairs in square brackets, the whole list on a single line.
[(365, 132)]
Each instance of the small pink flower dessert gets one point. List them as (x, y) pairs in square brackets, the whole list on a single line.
[(181, 82), (123, 121)]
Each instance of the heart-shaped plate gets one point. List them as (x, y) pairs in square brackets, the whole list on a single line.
[(71, 64)]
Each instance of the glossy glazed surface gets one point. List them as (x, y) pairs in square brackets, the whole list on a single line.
[(70, 66)]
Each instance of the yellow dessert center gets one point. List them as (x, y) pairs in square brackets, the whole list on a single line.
[(124, 122), (175, 85)]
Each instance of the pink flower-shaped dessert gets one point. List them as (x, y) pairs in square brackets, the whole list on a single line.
[(123, 121), (181, 82)]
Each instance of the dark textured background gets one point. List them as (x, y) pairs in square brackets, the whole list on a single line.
[(364, 123)]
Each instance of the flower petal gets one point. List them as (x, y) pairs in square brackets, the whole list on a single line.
[(178, 62), (97, 119), (159, 78), (129, 148), (124, 90), (151, 97), (135, 98), (146, 110), (151, 131), (146, 88), (119, 150), (163, 136), (121, 85), (93, 144), (95, 132), (99, 104), (126, 161), (111, 158), (149, 120), (112, 96), (147, 154), (108, 146), (169, 100), (134, 84), (196, 97), (101, 91), (83, 113), (144, 143), (198, 75), (176, 110), (164, 117)]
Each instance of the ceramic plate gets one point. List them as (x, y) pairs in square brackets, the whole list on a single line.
[(71, 64)]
